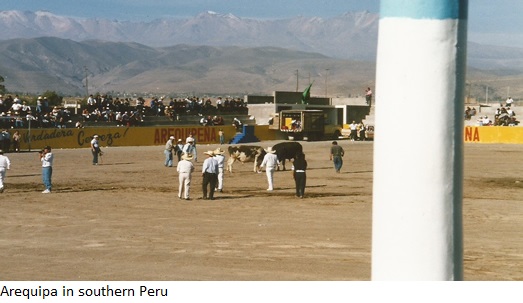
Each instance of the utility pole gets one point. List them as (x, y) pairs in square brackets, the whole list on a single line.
[(297, 80), (326, 83), (86, 82)]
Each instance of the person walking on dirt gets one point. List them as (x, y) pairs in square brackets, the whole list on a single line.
[(336, 156), (299, 167), (220, 158), (353, 131), (221, 136), (47, 158), (209, 174), (270, 161), (95, 149), (185, 169), (168, 151), (5, 165), (190, 148), (16, 141)]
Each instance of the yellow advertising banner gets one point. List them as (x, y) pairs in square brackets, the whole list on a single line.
[(494, 134), (146, 136), (129, 136)]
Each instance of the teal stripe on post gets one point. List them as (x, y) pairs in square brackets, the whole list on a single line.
[(424, 9)]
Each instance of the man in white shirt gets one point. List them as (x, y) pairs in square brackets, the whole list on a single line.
[(95, 149), (91, 103), (219, 103), (209, 174), (353, 130), (270, 161), (47, 168), (185, 169), (509, 102), (16, 108), (5, 165), (220, 158)]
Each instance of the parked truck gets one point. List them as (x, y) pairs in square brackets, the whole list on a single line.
[(304, 125)]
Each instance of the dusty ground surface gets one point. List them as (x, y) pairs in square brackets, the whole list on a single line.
[(122, 220)]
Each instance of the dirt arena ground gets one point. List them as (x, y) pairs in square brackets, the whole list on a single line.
[(122, 220)]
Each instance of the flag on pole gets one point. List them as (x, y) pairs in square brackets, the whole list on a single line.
[(306, 94)]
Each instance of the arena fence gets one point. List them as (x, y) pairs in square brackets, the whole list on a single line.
[(37, 138)]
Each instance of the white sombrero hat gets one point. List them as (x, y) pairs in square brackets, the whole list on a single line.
[(187, 156), (270, 150), (218, 151)]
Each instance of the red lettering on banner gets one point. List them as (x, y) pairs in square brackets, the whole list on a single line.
[(468, 133), (471, 134), (211, 135), (164, 135), (201, 134), (156, 136), (200, 137), (170, 132), (476, 134), (194, 132)]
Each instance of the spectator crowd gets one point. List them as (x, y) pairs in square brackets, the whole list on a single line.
[(15, 113), (504, 115)]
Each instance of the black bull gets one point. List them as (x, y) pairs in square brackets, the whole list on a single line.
[(287, 151)]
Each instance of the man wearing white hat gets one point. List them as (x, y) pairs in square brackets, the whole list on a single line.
[(190, 148), (185, 169), (220, 158), (95, 149), (5, 164), (270, 161), (209, 174), (168, 151)]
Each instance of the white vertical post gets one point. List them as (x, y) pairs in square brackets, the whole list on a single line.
[(418, 151)]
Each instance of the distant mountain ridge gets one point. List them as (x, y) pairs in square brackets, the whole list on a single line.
[(39, 64), (351, 35), (214, 53)]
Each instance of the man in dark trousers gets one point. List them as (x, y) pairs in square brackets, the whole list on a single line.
[(210, 175), (300, 177), (336, 156)]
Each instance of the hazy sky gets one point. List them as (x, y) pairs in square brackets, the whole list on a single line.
[(490, 21)]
